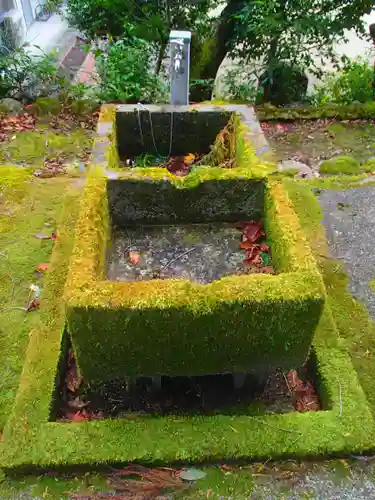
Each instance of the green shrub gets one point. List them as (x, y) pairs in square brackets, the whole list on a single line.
[(27, 77), (126, 74), (240, 85), (353, 83), (341, 165), (283, 84), (98, 17), (200, 90)]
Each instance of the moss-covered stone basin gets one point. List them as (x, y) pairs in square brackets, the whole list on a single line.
[(240, 323)]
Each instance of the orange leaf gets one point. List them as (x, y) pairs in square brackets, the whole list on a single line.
[(42, 267), (246, 245), (134, 257)]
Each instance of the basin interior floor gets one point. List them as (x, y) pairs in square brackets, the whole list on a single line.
[(197, 252)]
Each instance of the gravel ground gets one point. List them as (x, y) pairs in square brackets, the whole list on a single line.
[(319, 485), (349, 220)]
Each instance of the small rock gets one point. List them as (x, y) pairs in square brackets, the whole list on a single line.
[(302, 169), (11, 106)]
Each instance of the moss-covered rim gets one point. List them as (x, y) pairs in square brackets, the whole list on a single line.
[(291, 253)]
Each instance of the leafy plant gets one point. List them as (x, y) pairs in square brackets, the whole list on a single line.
[(201, 89), (240, 85), (353, 82), (291, 32), (152, 19), (125, 72), (283, 83), (27, 77), (78, 92)]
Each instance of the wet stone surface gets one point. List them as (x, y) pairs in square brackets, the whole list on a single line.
[(195, 252)]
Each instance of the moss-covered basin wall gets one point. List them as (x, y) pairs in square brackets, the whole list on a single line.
[(173, 131), (135, 201), (251, 323)]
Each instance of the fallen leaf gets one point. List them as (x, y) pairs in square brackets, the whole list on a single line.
[(268, 270), (252, 232), (80, 416), (226, 467), (33, 305), (42, 267), (246, 245), (304, 395), (134, 257)]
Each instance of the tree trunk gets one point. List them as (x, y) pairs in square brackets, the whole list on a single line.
[(161, 54), (223, 36)]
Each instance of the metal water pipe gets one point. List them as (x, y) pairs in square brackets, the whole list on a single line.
[(180, 67)]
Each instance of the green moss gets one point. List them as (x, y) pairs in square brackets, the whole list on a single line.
[(46, 106), (369, 166), (33, 148), (340, 165), (336, 181), (337, 111), (82, 107), (107, 113), (351, 317), (30, 439), (31, 203), (182, 310)]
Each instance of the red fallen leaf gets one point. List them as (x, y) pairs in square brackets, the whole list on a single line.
[(252, 232), (226, 467), (80, 415), (304, 395), (252, 251), (33, 305), (42, 267), (268, 270), (256, 259), (134, 257)]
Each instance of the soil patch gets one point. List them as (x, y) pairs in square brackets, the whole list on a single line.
[(312, 141), (206, 395)]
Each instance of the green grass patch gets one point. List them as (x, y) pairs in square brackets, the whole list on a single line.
[(33, 147), (34, 206)]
